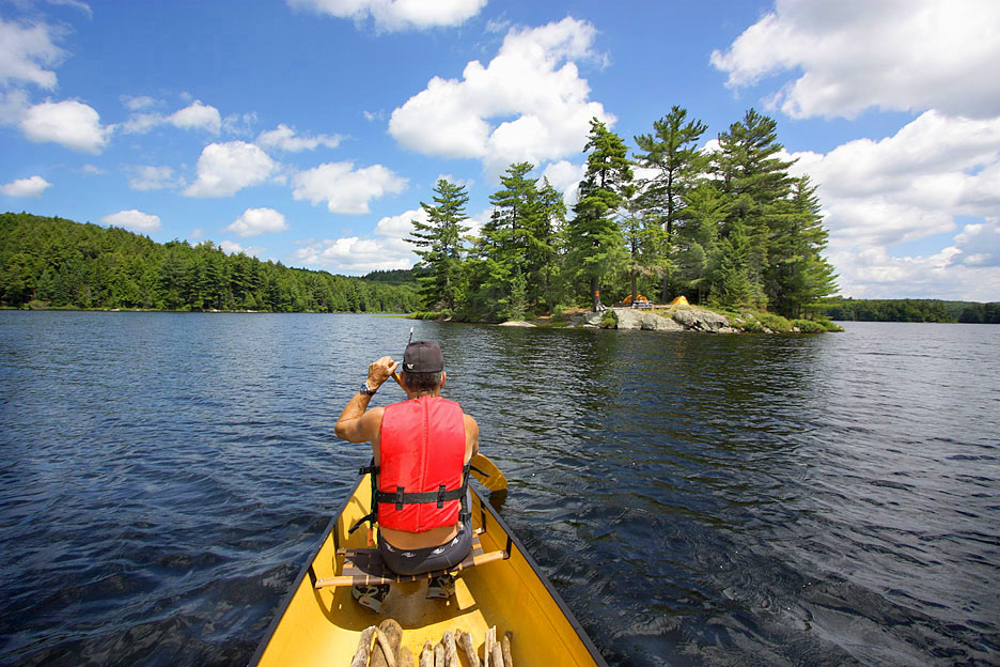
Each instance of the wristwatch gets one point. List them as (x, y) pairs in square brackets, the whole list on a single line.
[(365, 390)]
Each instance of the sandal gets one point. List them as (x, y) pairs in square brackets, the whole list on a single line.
[(371, 597), (441, 587)]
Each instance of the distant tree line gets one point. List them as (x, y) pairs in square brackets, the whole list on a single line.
[(912, 310), (981, 313), (730, 228), (57, 263)]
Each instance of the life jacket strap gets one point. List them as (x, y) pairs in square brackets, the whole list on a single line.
[(399, 497)]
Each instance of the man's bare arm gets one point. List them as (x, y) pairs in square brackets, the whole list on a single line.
[(355, 424)]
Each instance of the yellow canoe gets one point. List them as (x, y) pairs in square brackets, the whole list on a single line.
[(322, 626)]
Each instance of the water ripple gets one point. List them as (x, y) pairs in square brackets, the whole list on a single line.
[(697, 500)]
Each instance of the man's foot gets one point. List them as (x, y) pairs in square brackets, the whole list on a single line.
[(441, 587), (371, 597)]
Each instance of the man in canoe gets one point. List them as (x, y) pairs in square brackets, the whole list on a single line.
[(421, 448)]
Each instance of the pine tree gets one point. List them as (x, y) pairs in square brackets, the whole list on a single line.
[(647, 243), (439, 243), (672, 151), (594, 238), (733, 286), (755, 182), (705, 210), (504, 244), (518, 247), (546, 247), (798, 275)]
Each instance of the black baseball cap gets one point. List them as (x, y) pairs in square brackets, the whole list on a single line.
[(423, 356)]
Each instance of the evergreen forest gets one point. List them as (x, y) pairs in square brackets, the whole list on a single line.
[(730, 228), (912, 310), (57, 263)]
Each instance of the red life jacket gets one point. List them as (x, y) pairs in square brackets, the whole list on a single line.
[(422, 476)]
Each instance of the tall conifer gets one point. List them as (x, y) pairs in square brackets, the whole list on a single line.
[(439, 246), (595, 240)]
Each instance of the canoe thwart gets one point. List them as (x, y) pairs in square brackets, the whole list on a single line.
[(364, 567)]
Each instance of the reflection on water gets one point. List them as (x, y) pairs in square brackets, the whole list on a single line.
[(696, 499)]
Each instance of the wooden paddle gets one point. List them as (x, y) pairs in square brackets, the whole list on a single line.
[(487, 473)]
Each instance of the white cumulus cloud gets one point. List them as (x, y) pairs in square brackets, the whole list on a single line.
[(979, 244), (910, 185), (148, 177), (257, 221), (529, 103), (285, 138), (880, 195), (345, 189), (225, 168), (135, 220), (874, 273), (71, 124), (565, 177), (395, 15), (355, 255), (26, 53), (195, 116), (25, 187), (851, 55)]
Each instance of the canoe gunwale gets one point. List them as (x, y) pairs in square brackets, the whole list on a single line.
[(486, 509), (303, 573), (575, 624)]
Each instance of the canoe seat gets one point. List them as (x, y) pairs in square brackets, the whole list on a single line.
[(364, 567)]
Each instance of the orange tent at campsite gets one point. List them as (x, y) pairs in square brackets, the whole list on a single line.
[(680, 301), (639, 298)]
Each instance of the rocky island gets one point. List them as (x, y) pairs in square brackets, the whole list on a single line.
[(681, 318)]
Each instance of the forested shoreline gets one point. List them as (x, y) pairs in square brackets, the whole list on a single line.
[(912, 310), (57, 263), (730, 228)]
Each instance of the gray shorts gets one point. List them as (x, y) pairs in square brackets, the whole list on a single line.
[(429, 559)]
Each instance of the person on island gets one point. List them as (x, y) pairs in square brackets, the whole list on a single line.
[(421, 452)]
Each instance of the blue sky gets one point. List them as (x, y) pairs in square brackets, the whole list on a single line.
[(309, 131)]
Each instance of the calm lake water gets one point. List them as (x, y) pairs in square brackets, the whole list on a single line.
[(696, 499)]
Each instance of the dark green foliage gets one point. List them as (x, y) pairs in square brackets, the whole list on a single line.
[(734, 285), (809, 326), (513, 265), (797, 275), (775, 323), (64, 264), (672, 151), (439, 244), (981, 313), (393, 277), (889, 310), (696, 242), (756, 184), (733, 229), (594, 237)]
